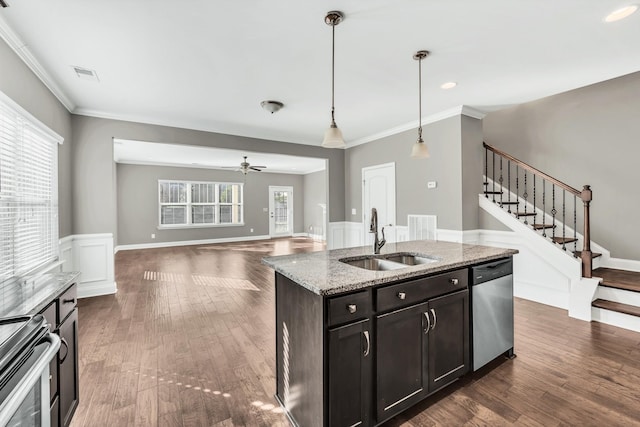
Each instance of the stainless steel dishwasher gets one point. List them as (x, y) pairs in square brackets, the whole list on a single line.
[(492, 311)]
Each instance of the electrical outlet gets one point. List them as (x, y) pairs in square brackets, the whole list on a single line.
[(432, 184), (251, 230), (353, 211), (153, 236), (265, 209)]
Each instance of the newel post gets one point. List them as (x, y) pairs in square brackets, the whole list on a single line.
[(586, 255)]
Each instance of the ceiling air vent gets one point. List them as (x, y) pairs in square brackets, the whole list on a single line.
[(3, 3), (85, 73)]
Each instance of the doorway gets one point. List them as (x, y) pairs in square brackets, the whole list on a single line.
[(280, 211), (379, 191)]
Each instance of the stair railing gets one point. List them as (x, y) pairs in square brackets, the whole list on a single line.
[(531, 183)]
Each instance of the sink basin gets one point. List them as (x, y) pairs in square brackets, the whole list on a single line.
[(410, 259), (374, 264), (389, 261)]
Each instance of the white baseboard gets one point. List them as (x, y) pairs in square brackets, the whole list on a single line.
[(92, 256), (88, 290), (191, 242), (622, 264)]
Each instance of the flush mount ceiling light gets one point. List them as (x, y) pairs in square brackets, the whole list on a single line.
[(419, 150), (333, 136), (448, 85), (621, 13), (272, 106)]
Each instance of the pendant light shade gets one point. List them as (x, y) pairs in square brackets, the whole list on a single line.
[(419, 150), (333, 136)]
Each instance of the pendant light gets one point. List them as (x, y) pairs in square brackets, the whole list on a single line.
[(419, 150), (333, 135)]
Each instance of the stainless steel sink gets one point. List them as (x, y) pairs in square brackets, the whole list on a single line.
[(388, 262), (409, 259), (374, 264)]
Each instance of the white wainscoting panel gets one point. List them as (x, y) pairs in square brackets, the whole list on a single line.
[(344, 234), (422, 227), (92, 256)]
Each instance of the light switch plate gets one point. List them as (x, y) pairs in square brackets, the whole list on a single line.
[(353, 211), (265, 209), (432, 184)]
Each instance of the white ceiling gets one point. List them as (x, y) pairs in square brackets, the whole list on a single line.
[(206, 65), (153, 153)]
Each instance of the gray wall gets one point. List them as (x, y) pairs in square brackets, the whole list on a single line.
[(455, 163), (138, 203), (315, 190), (95, 194), (586, 136), (19, 83)]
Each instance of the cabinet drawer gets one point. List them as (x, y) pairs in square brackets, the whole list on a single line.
[(348, 308), (67, 302), (413, 291)]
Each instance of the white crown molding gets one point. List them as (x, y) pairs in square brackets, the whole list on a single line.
[(188, 125), (22, 50), (463, 110)]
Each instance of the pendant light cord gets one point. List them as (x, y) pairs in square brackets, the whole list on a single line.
[(333, 59), (420, 99)]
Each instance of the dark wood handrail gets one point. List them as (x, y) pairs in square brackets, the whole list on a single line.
[(585, 195), (533, 170)]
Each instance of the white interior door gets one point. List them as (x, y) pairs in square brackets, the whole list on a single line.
[(280, 211), (379, 191)]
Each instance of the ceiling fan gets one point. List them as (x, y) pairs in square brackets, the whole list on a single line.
[(245, 167)]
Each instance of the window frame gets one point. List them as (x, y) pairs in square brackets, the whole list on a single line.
[(189, 204)]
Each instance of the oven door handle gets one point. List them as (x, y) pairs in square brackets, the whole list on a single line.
[(39, 367)]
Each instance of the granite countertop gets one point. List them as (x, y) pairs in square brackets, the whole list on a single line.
[(30, 296), (323, 273)]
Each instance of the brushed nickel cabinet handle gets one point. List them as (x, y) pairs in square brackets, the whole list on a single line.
[(454, 281), (366, 337), (352, 308), (435, 319), (402, 295), (426, 330)]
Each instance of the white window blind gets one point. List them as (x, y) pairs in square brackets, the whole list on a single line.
[(28, 194), (199, 204)]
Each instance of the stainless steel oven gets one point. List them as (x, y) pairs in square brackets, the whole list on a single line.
[(26, 349)]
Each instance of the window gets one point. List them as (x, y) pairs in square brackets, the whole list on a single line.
[(28, 192), (199, 204)]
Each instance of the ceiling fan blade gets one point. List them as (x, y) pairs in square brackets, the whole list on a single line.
[(255, 168), (262, 167)]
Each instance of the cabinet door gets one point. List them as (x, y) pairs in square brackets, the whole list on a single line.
[(401, 362), (68, 372), (350, 354), (448, 339)]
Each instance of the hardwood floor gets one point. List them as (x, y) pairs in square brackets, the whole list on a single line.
[(188, 340)]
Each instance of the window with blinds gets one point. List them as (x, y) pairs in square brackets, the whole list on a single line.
[(199, 204), (28, 193)]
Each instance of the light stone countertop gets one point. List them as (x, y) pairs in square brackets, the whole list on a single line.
[(30, 296), (323, 273)]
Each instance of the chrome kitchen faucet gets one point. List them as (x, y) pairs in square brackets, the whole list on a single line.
[(373, 228)]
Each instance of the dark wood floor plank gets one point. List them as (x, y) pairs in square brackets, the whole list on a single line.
[(178, 353)]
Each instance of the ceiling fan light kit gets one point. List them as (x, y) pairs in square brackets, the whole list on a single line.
[(245, 167), (333, 136)]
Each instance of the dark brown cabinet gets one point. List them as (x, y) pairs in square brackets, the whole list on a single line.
[(362, 357), (68, 360), (350, 356), (401, 366), (448, 339), (62, 315)]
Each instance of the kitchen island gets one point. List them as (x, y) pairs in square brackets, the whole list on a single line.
[(362, 337)]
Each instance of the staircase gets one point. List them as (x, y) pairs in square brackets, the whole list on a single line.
[(536, 203)]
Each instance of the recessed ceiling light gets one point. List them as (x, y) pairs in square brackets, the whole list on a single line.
[(621, 13), (86, 74), (448, 85)]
